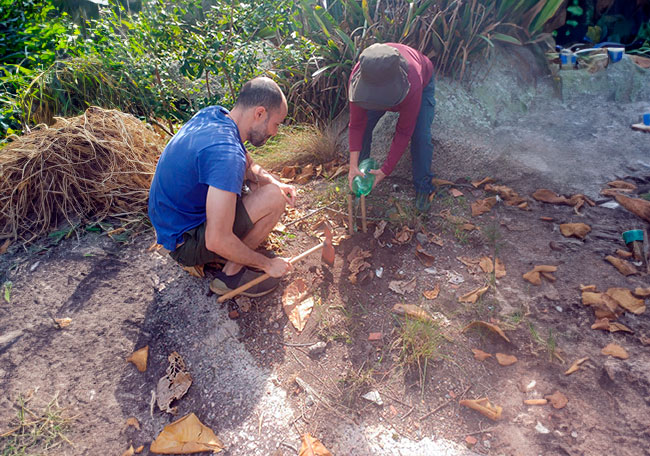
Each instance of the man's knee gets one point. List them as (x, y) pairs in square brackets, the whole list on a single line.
[(273, 198)]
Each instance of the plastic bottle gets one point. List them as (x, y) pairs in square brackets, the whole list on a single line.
[(363, 185)]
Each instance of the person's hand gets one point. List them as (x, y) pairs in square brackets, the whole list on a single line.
[(379, 176), (278, 267), (288, 192), (354, 172)]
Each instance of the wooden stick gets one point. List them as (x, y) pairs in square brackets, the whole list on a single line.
[(350, 219), (364, 224), (265, 276)]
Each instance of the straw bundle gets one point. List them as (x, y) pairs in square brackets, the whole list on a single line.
[(95, 165)]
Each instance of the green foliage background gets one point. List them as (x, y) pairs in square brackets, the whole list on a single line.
[(163, 61)]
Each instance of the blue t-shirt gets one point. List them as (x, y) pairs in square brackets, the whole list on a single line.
[(207, 151)]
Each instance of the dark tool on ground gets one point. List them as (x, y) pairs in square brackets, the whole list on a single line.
[(327, 256)]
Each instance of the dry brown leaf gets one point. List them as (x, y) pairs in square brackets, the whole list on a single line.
[(624, 267), (297, 303), (486, 264), (612, 192), (489, 326), (534, 276), (184, 436), (486, 180), (432, 294), (576, 365), (588, 287), (413, 311), (425, 258), (505, 360), (404, 235), (305, 175), (402, 286), (5, 245), (471, 263), (615, 350), (499, 268), (624, 253), (455, 192), (133, 421), (454, 219), (480, 354), (173, 385), (311, 446), (511, 197), (436, 239), (626, 300), (63, 322), (535, 401), (578, 230), (610, 326), (440, 182), (129, 452), (139, 449), (473, 295), (289, 172), (642, 292), (644, 340), (483, 205), (558, 400), (546, 219), (340, 170), (139, 358), (548, 276), (635, 205), (194, 271), (622, 184), (379, 229), (549, 196), (484, 407)]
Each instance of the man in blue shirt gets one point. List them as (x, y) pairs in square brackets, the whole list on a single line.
[(196, 203)]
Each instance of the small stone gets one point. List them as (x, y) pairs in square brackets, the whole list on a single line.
[(34, 266), (373, 396), (422, 238), (541, 429), (559, 309), (309, 401), (317, 349), (470, 441), (379, 272), (276, 325), (487, 444), (574, 434)]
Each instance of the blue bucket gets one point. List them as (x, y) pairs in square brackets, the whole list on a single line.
[(615, 54)]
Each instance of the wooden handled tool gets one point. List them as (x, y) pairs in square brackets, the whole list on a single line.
[(327, 256)]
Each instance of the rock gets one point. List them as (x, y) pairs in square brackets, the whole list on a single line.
[(317, 349), (470, 441), (373, 396), (541, 429)]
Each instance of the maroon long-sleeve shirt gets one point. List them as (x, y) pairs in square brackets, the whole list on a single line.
[(419, 75)]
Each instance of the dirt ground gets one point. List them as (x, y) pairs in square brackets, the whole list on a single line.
[(249, 373)]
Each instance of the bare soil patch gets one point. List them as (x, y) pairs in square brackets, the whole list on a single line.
[(247, 373)]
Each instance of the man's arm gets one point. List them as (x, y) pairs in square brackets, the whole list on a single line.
[(219, 238), (255, 173)]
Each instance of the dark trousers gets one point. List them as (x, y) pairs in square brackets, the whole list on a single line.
[(421, 143)]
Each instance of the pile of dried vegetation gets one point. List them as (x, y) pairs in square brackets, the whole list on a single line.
[(92, 166)]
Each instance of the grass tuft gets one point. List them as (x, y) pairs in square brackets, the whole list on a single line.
[(35, 432)]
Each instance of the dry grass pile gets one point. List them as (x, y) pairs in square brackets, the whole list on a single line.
[(95, 165)]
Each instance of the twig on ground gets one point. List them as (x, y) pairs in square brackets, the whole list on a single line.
[(444, 404)]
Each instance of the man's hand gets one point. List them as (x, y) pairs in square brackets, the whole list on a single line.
[(278, 267), (379, 176), (288, 192), (354, 172)]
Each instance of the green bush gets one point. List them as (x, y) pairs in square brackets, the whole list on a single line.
[(171, 59)]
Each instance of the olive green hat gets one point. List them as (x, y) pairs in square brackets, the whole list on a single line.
[(382, 78)]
